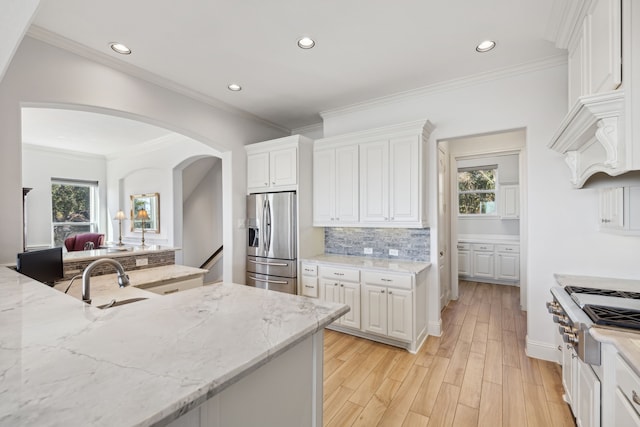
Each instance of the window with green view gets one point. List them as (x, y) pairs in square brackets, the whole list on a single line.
[(477, 191), (74, 208)]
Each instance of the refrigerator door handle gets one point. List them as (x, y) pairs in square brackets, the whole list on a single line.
[(267, 240), (276, 264), (279, 282), (263, 230)]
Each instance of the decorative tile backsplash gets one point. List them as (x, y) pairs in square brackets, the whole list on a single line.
[(412, 244)]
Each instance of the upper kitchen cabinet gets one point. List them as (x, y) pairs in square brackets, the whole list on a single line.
[(335, 185), (273, 165), (603, 41), (375, 178)]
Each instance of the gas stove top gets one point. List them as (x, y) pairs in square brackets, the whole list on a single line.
[(604, 292), (608, 307), (613, 316)]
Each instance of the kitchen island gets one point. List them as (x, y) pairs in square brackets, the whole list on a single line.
[(196, 357)]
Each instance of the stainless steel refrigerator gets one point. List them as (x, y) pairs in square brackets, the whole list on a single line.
[(271, 251)]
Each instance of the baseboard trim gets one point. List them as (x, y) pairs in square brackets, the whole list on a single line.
[(543, 350), (435, 328)]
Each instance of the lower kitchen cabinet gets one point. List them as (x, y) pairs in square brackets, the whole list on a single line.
[(569, 368), (483, 261), (489, 262), (587, 412), (386, 307), (387, 311)]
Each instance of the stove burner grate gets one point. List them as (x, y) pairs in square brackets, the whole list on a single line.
[(611, 316), (604, 292)]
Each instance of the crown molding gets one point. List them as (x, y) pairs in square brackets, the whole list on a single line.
[(566, 21), (69, 45), (308, 129), (61, 151), (550, 62)]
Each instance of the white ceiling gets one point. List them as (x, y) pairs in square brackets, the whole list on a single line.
[(365, 48)]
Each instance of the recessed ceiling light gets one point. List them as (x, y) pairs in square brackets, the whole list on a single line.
[(120, 48), (306, 43), (486, 46), (234, 87)]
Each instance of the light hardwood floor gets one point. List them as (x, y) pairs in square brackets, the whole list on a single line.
[(475, 374)]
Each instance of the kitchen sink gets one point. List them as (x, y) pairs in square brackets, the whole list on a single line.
[(115, 303)]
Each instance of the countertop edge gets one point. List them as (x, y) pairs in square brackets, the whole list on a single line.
[(620, 339), (399, 266)]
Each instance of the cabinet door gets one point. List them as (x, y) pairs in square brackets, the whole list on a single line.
[(604, 62), (624, 412), (508, 266), (612, 208), (576, 60), (404, 179), (258, 171), (324, 176), (509, 201), (374, 182), (588, 395), (329, 290), (400, 314), (374, 309), (350, 295), (346, 185), (483, 264), (283, 167), (464, 263), (569, 374)]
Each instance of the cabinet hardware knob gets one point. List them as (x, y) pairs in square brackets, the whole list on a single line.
[(382, 291), (573, 355), (390, 293), (266, 184), (172, 291), (273, 183), (441, 253), (337, 219), (309, 286), (392, 218), (635, 397), (559, 348), (341, 285)]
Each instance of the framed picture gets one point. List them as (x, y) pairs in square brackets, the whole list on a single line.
[(150, 203)]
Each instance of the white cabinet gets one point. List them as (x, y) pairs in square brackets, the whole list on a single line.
[(483, 261), (343, 286), (464, 259), (390, 180), (587, 412), (273, 165), (611, 208), (569, 373), (509, 203), (489, 262), (335, 186), (387, 310), (507, 262), (272, 170), (383, 187), (627, 394)]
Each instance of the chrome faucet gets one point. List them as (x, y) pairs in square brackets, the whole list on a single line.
[(123, 279)]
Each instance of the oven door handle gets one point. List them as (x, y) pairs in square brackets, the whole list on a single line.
[(279, 282)]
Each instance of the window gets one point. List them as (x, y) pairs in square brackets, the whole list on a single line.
[(74, 207), (477, 191)]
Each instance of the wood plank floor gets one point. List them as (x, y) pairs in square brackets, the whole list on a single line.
[(475, 374)]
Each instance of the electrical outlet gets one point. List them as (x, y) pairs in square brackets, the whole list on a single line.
[(368, 251), (393, 252), (141, 262)]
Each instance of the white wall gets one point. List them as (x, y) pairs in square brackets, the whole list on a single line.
[(43, 75), (39, 165), (202, 216), (15, 17), (562, 222)]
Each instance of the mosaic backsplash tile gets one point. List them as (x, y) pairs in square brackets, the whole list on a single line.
[(412, 244)]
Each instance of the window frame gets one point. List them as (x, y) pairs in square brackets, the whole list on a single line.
[(495, 192), (94, 208)]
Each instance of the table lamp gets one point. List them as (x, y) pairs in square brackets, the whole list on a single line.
[(120, 216), (143, 216)]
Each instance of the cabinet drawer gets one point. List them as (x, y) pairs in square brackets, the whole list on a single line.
[(628, 382), (387, 279), (309, 286), (309, 270), (340, 273), (514, 249), (463, 246), (483, 247)]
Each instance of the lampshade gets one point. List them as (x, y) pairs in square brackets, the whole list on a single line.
[(120, 215), (142, 214)]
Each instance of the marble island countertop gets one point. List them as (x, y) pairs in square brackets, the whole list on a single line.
[(382, 264), (66, 363), (104, 288)]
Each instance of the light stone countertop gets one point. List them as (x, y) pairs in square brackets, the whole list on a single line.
[(489, 238), (382, 264), (630, 285), (114, 252), (66, 363), (105, 287)]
